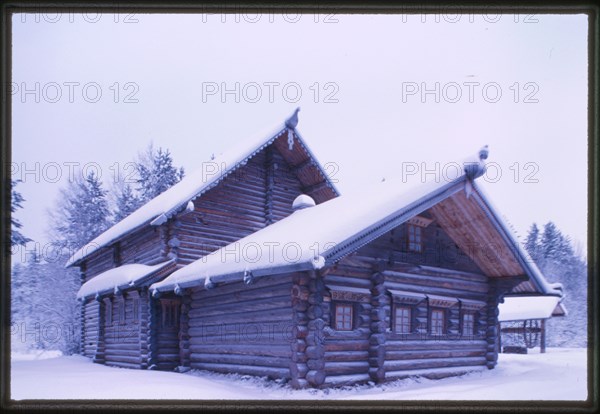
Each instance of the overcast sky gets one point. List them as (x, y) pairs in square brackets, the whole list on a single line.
[(381, 96)]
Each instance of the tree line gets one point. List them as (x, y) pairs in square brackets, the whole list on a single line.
[(44, 312)]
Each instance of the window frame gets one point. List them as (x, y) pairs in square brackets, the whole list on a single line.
[(444, 324), (463, 324), (411, 318), (335, 316), (415, 245)]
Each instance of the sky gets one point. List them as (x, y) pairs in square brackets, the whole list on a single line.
[(381, 96)]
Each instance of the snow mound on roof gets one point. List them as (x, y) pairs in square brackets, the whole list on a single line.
[(118, 278), (519, 308)]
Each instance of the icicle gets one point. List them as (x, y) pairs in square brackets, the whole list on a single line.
[(468, 188), (117, 291), (155, 293), (290, 139), (177, 290), (97, 297)]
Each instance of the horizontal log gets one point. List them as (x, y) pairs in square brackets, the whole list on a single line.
[(110, 358), (272, 372), (393, 345), (344, 368), (256, 304), (346, 345), (342, 380), (432, 363), (243, 349), (438, 353), (235, 359), (436, 373), (346, 356), (270, 316)]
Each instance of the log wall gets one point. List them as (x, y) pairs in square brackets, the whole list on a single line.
[(122, 332), (249, 199), (240, 328), (372, 350)]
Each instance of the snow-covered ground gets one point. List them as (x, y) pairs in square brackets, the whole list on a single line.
[(560, 374)]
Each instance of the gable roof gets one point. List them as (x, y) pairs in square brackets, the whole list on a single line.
[(175, 199), (321, 235)]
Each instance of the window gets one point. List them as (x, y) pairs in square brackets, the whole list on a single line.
[(343, 317), (136, 310), (402, 320), (468, 324), (415, 240), (437, 322), (170, 313)]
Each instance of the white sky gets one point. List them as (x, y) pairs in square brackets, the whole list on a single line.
[(372, 131)]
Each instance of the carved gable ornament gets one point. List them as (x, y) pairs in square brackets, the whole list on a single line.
[(419, 221)]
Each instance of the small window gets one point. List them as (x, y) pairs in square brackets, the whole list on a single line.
[(415, 239), (170, 314), (343, 317), (437, 322), (136, 310), (403, 320), (468, 324)]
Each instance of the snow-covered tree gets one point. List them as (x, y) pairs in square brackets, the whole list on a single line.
[(126, 202), (156, 172), (81, 214), (16, 237), (556, 257)]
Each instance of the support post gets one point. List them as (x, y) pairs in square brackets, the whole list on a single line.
[(315, 349), (379, 323), (543, 337), (298, 366)]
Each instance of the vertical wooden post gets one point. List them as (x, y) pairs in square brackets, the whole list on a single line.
[(379, 323), (184, 337), (152, 331), (298, 367), (315, 351), (543, 337), (492, 329)]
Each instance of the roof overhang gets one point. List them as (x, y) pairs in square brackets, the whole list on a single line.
[(123, 278)]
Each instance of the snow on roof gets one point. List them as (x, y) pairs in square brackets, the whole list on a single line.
[(310, 237), (520, 308), (118, 278), (190, 187), (307, 236)]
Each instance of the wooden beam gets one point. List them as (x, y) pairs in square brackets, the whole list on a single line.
[(296, 168), (315, 187)]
